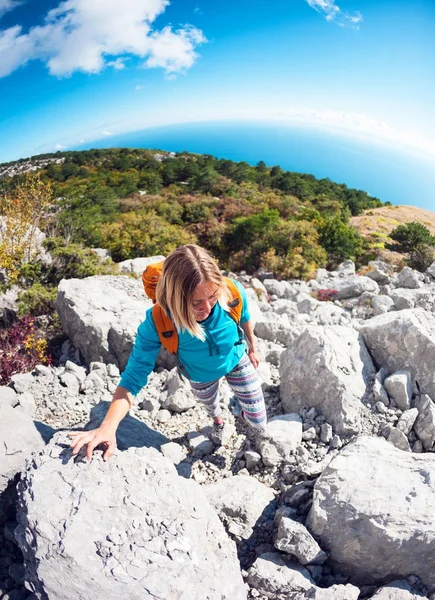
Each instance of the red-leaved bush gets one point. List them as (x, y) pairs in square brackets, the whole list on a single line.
[(326, 295), (21, 349)]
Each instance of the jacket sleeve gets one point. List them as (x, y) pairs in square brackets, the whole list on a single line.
[(246, 315), (143, 356)]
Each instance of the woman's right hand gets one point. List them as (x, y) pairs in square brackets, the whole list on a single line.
[(95, 437)]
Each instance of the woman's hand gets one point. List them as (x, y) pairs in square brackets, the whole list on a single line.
[(254, 358), (95, 437)]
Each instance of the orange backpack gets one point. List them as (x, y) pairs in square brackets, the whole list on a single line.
[(165, 328)]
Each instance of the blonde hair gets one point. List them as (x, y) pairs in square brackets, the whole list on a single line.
[(183, 270)]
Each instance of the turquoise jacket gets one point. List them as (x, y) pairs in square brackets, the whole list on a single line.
[(203, 361)]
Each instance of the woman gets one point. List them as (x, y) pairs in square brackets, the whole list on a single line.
[(193, 292)]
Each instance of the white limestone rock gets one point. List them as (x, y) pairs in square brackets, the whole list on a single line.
[(327, 368), (18, 439), (8, 396), (379, 523), (130, 526), (138, 265), (397, 590), (409, 278), (424, 425), (295, 539), (352, 287), (276, 577), (241, 501), (283, 436), (101, 315), (179, 397), (382, 304), (399, 388), (404, 340)]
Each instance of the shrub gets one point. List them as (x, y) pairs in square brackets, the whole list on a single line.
[(143, 234), (407, 238), (74, 261), (21, 349), (340, 240), (37, 300), (326, 295), (421, 257), (21, 213)]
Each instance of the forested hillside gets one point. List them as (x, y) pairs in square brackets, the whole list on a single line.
[(144, 202)]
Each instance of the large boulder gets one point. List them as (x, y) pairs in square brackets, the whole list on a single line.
[(397, 590), (18, 439), (352, 287), (101, 315), (138, 265), (242, 503), (373, 512), (126, 528), (328, 368), (276, 577), (404, 340)]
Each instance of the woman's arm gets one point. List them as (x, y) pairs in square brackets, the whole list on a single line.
[(106, 433), (133, 379), (252, 352)]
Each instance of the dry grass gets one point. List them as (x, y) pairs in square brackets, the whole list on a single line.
[(376, 224), (380, 222)]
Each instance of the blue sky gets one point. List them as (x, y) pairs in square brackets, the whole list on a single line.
[(81, 70)]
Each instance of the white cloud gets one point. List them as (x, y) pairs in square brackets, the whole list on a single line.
[(83, 35), (333, 13), (60, 147), (106, 133), (7, 5), (117, 64)]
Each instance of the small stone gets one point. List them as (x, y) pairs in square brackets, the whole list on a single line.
[(336, 442), (407, 420), (251, 459), (163, 416), (309, 434), (326, 433), (173, 451), (380, 407), (8, 396), (417, 447), (21, 382), (200, 444), (398, 439), (43, 371), (112, 370)]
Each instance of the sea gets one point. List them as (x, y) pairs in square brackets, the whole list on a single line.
[(380, 170)]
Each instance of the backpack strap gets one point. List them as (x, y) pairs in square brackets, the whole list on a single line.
[(168, 334), (236, 304)]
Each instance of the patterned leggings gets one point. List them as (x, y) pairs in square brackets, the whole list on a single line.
[(246, 385)]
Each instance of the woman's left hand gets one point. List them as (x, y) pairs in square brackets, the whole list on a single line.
[(254, 358)]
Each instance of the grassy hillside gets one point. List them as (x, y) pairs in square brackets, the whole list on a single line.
[(386, 218), (376, 224)]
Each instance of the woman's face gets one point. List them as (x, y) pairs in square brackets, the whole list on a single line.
[(204, 298)]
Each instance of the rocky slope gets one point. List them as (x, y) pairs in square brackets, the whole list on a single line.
[(336, 503)]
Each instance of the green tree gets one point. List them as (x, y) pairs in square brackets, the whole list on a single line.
[(406, 238), (142, 234), (340, 240)]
